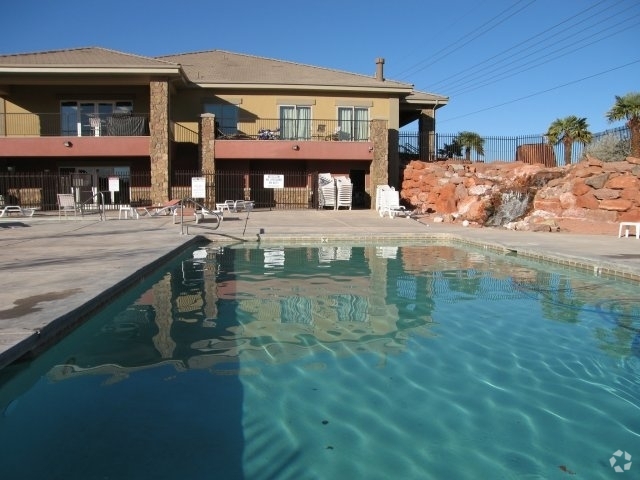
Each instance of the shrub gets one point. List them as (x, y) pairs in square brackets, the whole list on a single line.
[(609, 148)]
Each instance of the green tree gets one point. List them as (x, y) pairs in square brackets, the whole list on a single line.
[(451, 150), (568, 130), (470, 141), (627, 108)]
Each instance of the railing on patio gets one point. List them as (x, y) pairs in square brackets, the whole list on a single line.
[(297, 129), (441, 146), (57, 125)]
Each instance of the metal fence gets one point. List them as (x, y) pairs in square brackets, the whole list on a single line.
[(39, 190), (441, 146)]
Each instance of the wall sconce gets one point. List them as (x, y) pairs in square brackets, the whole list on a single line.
[(296, 147), (68, 144), (371, 149)]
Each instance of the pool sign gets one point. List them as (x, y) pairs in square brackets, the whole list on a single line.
[(114, 184), (198, 187), (274, 181), (619, 463)]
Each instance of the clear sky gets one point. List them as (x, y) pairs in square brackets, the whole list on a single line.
[(509, 67)]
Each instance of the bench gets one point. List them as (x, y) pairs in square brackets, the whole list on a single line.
[(626, 226)]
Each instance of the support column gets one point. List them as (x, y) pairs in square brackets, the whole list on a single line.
[(207, 142), (207, 154), (379, 171), (159, 142), (426, 134)]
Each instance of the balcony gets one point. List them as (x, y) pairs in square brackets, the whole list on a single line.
[(51, 134), (55, 125), (126, 135)]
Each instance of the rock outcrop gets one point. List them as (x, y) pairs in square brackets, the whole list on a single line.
[(538, 196)]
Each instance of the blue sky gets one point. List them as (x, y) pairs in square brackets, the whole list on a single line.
[(510, 67)]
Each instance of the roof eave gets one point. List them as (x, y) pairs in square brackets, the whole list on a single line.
[(329, 88), (92, 70)]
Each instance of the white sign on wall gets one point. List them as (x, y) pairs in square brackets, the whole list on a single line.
[(274, 181), (198, 187), (114, 184)]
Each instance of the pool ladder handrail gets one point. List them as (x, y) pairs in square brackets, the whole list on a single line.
[(197, 204)]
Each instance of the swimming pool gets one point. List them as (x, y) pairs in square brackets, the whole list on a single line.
[(338, 361)]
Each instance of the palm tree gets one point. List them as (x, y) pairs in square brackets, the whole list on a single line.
[(628, 108), (470, 141), (568, 130)]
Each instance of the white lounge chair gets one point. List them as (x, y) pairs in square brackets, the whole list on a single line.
[(167, 208), (390, 204), (9, 209), (203, 213), (327, 196), (344, 195)]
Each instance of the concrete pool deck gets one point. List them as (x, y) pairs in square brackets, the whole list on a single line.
[(57, 271)]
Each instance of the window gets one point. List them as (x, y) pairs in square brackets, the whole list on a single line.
[(295, 122), (226, 117), (353, 123), (75, 116)]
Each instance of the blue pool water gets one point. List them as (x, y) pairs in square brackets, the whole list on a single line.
[(339, 362)]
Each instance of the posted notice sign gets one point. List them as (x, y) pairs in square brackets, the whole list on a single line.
[(114, 184), (274, 181), (198, 187)]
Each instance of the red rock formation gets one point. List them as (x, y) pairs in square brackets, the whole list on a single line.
[(590, 190)]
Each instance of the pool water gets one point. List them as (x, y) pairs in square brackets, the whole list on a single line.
[(337, 362)]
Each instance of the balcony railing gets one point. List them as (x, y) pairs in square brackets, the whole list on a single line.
[(57, 125), (297, 129), (137, 124)]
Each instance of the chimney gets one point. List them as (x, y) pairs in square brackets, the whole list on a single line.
[(380, 69)]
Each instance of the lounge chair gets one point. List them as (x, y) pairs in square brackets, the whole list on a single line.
[(390, 204), (235, 206), (344, 196), (9, 209), (166, 208), (203, 213)]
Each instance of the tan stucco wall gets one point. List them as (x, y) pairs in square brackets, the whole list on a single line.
[(188, 105), (47, 99)]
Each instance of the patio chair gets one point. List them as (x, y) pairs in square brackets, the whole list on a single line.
[(328, 196), (67, 203), (390, 204), (344, 194)]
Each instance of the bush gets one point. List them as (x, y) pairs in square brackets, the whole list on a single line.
[(609, 148)]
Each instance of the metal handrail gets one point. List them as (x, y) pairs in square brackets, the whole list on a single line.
[(182, 202), (101, 205)]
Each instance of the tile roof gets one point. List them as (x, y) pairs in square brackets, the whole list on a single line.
[(81, 57), (222, 67), (215, 67)]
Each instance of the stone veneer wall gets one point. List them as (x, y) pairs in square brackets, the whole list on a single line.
[(379, 173), (159, 147), (207, 142)]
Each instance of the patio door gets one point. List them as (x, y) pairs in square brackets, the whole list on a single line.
[(87, 117)]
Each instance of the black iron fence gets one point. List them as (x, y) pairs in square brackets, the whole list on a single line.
[(442, 146), (267, 189)]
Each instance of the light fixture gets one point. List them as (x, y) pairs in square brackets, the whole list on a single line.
[(371, 149), (296, 147), (68, 144)]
